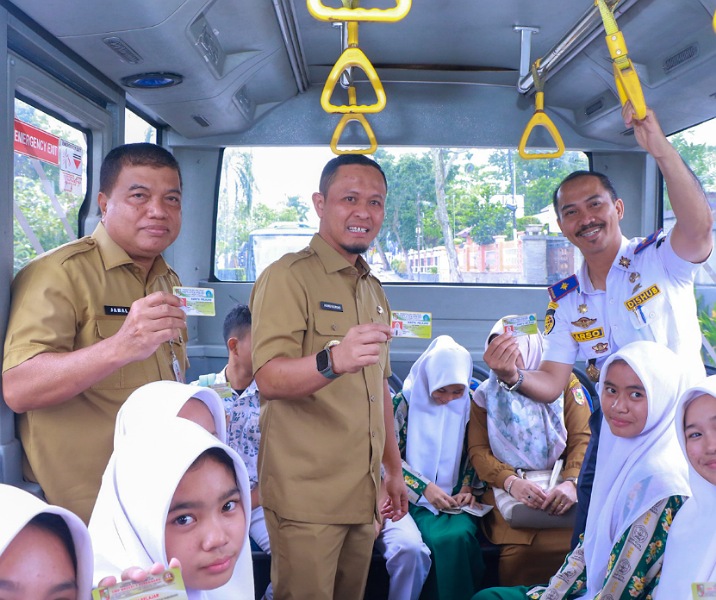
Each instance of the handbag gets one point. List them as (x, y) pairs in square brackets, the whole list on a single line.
[(519, 515)]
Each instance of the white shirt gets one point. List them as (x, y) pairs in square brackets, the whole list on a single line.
[(649, 296)]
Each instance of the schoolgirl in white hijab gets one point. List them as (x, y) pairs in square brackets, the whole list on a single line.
[(436, 433), (523, 433), (154, 403), (691, 546), (635, 473), (147, 466), (149, 408), (20, 507)]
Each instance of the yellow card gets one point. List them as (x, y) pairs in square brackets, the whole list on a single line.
[(168, 585), (196, 302)]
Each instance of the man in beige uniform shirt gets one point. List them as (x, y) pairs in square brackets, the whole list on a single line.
[(93, 320), (320, 354)]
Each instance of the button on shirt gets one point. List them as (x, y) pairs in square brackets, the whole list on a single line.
[(320, 456), (649, 296)]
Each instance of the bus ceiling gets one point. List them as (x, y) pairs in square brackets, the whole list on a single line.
[(252, 72)]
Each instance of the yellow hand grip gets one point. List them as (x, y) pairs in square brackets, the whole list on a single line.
[(345, 119), (714, 22), (625, 76), (353, 57), (540, 119), (376, 15)]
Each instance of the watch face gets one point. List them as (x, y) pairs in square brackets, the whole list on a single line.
[(322, 360)]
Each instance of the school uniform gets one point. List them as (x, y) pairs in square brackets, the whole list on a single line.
[(690, 555)]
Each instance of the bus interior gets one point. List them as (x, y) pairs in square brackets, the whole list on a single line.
[(218, 82)]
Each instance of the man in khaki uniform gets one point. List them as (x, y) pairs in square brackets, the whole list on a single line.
[(92, 321), (320, 354)]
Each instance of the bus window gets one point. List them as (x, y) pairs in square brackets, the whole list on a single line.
[(137, 129), (50, 182), (694, 146), (491, 222)]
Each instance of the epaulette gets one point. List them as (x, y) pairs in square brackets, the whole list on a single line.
[(70, 249), (647, 241), (293, 257), (562, 288)]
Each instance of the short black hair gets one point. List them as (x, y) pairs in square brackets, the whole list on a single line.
[(237, 323), (57, 526), (329, 171), (134, 155), (603, 179)]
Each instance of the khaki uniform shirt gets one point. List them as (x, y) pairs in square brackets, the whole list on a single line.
[(67, 299), (320, 456)]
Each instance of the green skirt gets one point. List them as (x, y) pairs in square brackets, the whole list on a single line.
[(458, 568), (517, 592)]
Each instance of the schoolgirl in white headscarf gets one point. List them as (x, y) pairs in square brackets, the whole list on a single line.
[(130, 518), (691, 547), (20, 507), (633, 474), (154, 403), (523, 433), (147, 408), (436, 433)]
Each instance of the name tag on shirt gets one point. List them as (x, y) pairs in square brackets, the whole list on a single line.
[(334, 306), (116, 310)]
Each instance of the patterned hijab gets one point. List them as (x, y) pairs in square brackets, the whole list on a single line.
[(523, 433), (633, 474), (436, 433), (20, 507), (691, 547)]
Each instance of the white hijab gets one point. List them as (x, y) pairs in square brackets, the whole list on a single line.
[(691, 547), (436, 433), (633, 474), (154, 403), (147, 408), (130, 516), (19, 507), (523, 433)]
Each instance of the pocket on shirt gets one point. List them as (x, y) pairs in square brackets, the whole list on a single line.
[(330, 326), (130, 376), (652, 309)]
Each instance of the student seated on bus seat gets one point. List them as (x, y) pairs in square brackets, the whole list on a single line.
[(508, 432), (407, 558), (89, 323), (235, 383), (639, 486)]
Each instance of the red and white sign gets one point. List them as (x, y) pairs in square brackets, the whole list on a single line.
[(70, 157), (34, 142)]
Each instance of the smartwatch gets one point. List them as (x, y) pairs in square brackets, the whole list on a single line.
[(516, 385), (324, 364)]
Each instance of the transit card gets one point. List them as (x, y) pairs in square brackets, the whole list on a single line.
[(404, 323), (196, 302), (703, 590), (168, 585), (521, 324)]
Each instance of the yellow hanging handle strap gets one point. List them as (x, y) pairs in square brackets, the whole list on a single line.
[(347, 118), (540, 119), (625, 75), (714, 22), (374, 15), (353, 57)]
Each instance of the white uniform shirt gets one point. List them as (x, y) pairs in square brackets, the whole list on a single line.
[(649, 296)]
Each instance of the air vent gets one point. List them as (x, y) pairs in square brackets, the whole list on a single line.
[(594, 107), (201, 120), (123, 49), (246, 105), (682, 56)]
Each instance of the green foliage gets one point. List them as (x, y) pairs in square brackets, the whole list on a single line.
[(301, 208), (491, 220), (707, 323), (700, 157)]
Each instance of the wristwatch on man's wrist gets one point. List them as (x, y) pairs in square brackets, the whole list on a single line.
[(325, 365), (514, 386)]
